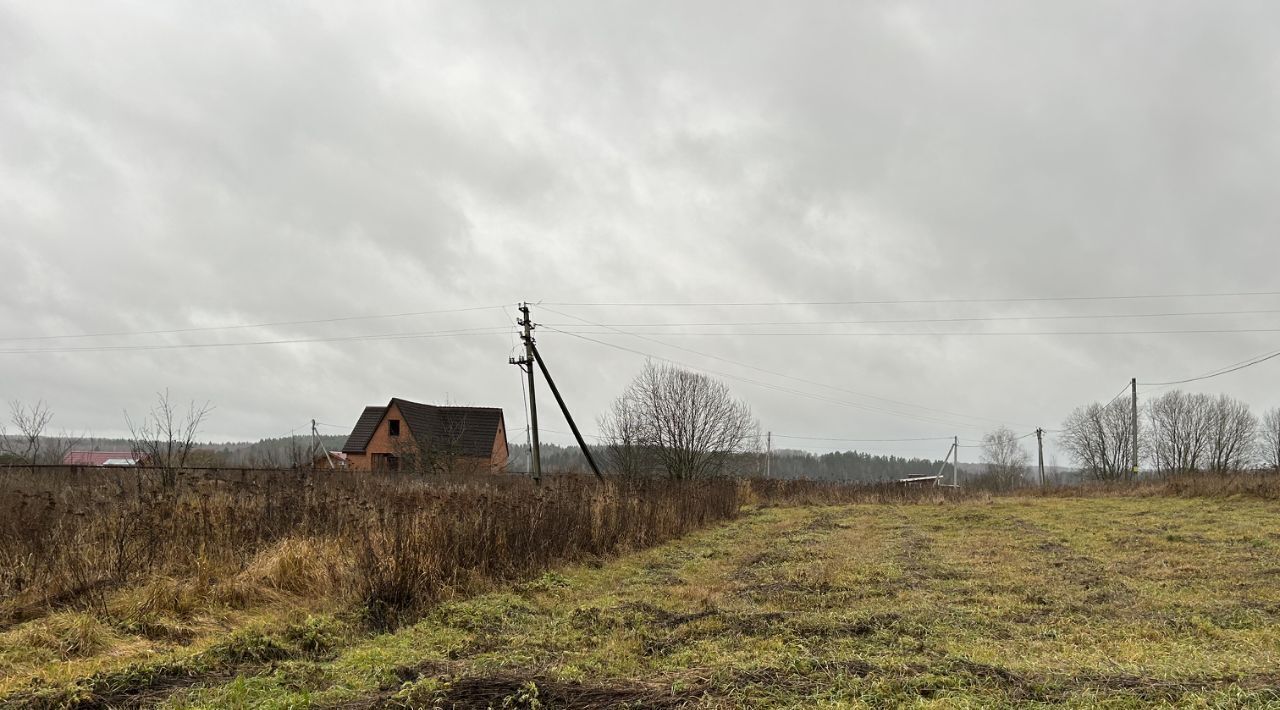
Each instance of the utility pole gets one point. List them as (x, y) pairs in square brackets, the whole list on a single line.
[(1133, 383), (526, 363), (768, 454), (317, 441), (955, 464), (1040, 448)]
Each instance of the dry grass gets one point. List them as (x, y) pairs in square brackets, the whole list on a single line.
[(251, 537), (112, 587), (1014, 602)]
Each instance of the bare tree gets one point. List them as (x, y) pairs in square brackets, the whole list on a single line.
[(626, 448), (164, 438), (1232, 434), (31, 444), (1270, 443), (1004, 457), (690, 424), (1179, 430), (1101, 439)]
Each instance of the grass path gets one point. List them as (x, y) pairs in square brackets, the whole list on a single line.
[(1079, 602)]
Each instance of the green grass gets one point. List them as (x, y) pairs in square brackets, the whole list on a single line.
[(1084, 602)]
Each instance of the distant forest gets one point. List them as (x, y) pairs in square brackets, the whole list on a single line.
[(850, 466)]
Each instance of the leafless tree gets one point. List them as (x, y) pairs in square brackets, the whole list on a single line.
[(626, 448), (1270, 442), (1004, 457), (31, 444), (165, 437), (1179, 431), (1101, 439), (690, 424), (1232, 435)]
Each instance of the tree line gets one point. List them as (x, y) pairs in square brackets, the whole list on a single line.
[(1177, 432)]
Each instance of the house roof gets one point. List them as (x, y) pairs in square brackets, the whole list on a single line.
[(920, 479), (99, 458), (363, 430), (468, 431)]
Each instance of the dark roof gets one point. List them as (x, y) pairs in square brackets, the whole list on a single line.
[(469, 431), (363, 432)]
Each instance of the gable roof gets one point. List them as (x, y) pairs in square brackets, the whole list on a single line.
[(468, 431), (363, 431)]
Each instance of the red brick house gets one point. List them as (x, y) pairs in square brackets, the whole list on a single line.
[(410, 436)]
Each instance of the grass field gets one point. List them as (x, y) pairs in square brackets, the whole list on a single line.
[(1114, 602)]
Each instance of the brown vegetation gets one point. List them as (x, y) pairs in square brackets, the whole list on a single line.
[(390, 542)]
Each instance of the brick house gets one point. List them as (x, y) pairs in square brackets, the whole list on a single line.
[(411, 436)]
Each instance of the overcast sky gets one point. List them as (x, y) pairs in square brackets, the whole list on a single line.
[(172, 166)]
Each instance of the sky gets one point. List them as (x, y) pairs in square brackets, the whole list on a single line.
[(734, 187)]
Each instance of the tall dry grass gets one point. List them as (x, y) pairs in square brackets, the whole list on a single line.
[(71, 538)]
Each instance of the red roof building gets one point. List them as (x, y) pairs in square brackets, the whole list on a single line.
[(100, 458)]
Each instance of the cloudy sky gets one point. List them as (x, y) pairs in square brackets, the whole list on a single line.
[(197, 168)]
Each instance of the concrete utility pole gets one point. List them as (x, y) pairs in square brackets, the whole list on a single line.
[(1133, 383), (526, 363), (1040, 448), (768, 454), (955, 464), (315, 437)]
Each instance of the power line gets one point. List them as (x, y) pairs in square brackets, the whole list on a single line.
[(964, 319), (860, 441), (1217, 331), (1027, 299), (772, 372), (766, 385), (1113, 399), (197, 329), (489, 330), (1227, 370)]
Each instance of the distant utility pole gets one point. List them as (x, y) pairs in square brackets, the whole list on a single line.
[(768, 454), (1133, 383), (1040, 448), (317, 441), (526, 363), (955, 464)]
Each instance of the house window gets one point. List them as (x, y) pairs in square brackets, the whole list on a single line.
[(393, 427)]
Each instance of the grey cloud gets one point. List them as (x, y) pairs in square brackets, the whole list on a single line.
[(163, 166)]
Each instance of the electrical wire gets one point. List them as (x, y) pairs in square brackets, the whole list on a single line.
[(488, 330), (1214, 331), (860, 441), (964, 319), (1122, 391), (774, 373), (1030, 299), (1220, 372), (765, 385), (197, 329)]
